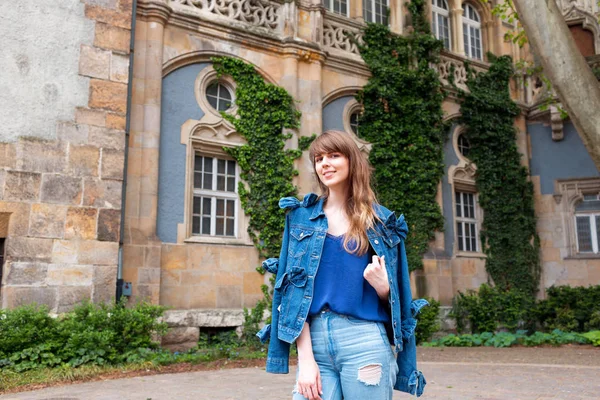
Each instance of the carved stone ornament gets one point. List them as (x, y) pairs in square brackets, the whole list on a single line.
[(338, 35), (557, 124), (582, 12)]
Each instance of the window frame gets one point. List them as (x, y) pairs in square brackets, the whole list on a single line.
[(330, 4), (215, 195), (467, 37), (371, 4), (436, 11), (474, 221)]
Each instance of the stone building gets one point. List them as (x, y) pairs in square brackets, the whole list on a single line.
[(184, 240)]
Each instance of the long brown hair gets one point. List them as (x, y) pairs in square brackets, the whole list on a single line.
[(359, 207)]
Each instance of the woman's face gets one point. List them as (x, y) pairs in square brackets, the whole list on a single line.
[(332, 169)]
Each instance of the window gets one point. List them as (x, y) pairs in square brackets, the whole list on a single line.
[(440, 21), (337, 6), (463, 145), (472, 32), (219, 96), (215, 197), (355, 122), (375, 11), (587, 224), (466, 221)]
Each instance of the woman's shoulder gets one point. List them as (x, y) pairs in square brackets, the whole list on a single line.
[(291, 203)]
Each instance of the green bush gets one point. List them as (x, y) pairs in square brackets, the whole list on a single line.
[(90, 334), (428, 321), (507, 339), (570, 308), (491, 309)]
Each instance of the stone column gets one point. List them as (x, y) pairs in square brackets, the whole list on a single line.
[(396, 15), (456, 24), (356, 10)]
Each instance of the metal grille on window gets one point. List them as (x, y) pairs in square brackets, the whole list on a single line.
[(466, 223), (472, 32), (337, 6), (441, 21), (375, 11), (215, 198), (219, 96)]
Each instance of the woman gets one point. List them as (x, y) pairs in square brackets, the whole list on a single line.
[(342, 290)]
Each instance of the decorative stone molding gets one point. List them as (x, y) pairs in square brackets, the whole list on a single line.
[(337, 34), (582, 12), (351, 107), (557, 124), (207, 76), (453, 65)]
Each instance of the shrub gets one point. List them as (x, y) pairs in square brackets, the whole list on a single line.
[(428, 321), (491, 309), (25, 327), (570, 308)]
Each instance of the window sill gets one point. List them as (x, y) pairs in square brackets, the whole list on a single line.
[(226, 241), (470, 254), (584, 256)]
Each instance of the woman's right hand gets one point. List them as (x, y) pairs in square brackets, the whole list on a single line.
[(309, 379)]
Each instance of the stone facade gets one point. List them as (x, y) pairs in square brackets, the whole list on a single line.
[(60, 188), (62, 162)]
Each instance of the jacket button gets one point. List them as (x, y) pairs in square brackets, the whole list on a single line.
[(376, 241), (301, 234)]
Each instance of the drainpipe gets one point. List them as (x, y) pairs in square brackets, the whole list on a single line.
[(119, 293)]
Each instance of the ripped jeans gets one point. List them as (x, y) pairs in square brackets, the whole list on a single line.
[(354, 357)]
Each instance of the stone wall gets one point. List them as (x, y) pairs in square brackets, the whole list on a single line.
[(62, 150)]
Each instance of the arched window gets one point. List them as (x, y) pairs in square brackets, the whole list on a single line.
[(472, 32), (355, 122), (440, 21), (463, 145), (219, 96)]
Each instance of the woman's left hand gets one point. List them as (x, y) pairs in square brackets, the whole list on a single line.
[(376, 275)]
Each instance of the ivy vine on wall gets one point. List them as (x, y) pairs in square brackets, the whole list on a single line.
[(264, 111), (403, 119), (508, 234)]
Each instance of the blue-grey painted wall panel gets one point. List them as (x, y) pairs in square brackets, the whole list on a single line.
[(333, 114), (450, 158), (564, 159), (178, 105)]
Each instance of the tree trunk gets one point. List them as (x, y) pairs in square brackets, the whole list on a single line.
[(571, 77)]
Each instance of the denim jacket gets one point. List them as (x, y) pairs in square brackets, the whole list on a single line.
[(296, 268)]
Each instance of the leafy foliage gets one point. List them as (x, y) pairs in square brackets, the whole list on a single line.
[(491, 309), (508, 233), (506, 339), (402, 119), (90, 334), (570, 308), (428, 321)]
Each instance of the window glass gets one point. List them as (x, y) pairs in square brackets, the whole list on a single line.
[(219, 96)]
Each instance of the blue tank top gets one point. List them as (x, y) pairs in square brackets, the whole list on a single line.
[(340, 285)]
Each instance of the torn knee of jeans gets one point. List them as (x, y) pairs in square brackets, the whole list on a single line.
[(370, 374), (295, 388)]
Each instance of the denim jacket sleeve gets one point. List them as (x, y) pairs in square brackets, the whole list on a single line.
[(409, 379), (279, 351)]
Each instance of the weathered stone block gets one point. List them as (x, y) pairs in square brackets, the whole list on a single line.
[(102, 3), (203, 256), (4, 222), (15, 296), (112, 38), (228, 278), (22, 186), (173, 257), (105, 275), (72, 133), (69, 275), (47, 220), (107, 138), (111, 17), (8, 155), (21, 248), (119, 68), (104, 293), (90, 117), (81, 223), (61, 189), (94, 62), (252, 282), (25, 273), (149, 276), (70, 296), (178, 335), (83, 160), (152, 256), (204, 318), (150, 293), (65, 251), (37, 155), (115, 121), (229, 297), (2, 178), (197, 278), (109, 225), (108, 95), (102, 193), (113, 163), (98, 253), (19, 217)]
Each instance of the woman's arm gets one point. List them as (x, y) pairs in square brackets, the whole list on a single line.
[(309, 377)]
